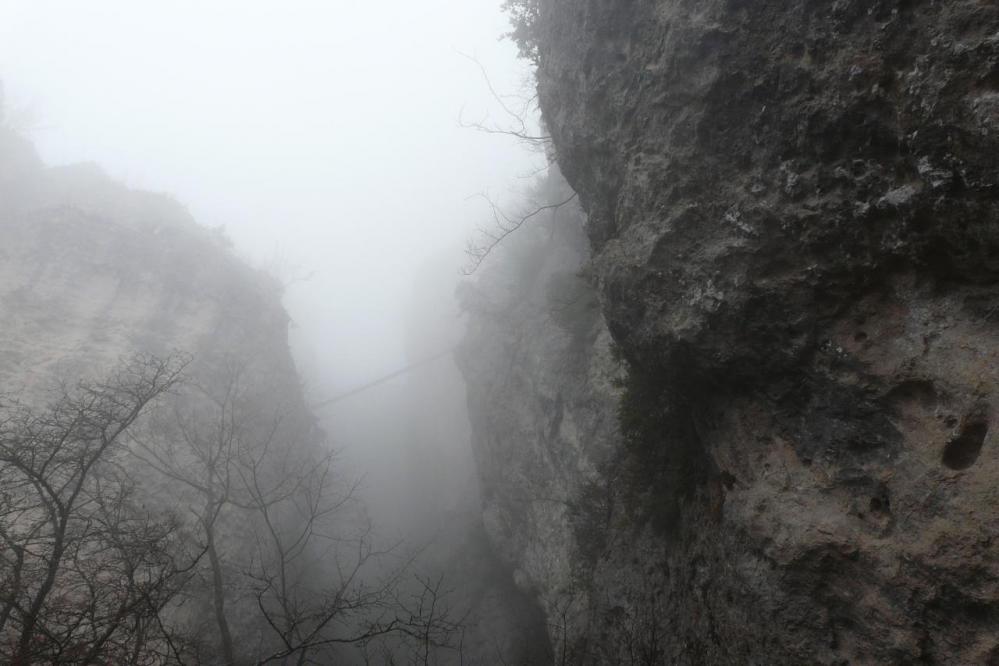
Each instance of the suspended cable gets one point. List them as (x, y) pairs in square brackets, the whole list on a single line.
[(381, 380)]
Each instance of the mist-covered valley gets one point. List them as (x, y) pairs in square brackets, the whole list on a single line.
[(502, 333), (234, 430)]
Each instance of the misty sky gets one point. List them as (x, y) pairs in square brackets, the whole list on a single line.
[(323, 135)]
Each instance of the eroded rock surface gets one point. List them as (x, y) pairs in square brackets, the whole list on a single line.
[(794, 221)]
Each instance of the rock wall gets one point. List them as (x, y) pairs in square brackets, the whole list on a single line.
[(92, 272), (793, 214), (543, 383)]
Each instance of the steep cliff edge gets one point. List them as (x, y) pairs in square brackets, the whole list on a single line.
[(152, 548), (793, 214), (92, 272)]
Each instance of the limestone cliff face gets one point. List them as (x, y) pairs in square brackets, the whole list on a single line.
[(794, 220), (543, 385), (91, 272)]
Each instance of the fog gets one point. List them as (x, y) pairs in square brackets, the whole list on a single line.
[(334, 144), (328, 139), (324, 137)]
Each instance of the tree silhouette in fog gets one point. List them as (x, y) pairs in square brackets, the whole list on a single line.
[(85, 569), (257, 525)]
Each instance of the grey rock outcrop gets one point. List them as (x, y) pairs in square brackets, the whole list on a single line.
[(92, 272), (794, 220)]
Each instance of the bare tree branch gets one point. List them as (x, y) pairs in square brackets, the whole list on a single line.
[(82, 565), (505, 225), (518, 126)]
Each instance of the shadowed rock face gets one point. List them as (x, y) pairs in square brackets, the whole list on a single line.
[(794, 217), (752, 168)]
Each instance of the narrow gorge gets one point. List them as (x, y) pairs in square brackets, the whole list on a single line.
[(719, 385)]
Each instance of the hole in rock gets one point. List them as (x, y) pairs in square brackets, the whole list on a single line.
[(962, 451), (991, 80), (860, 336), (880, 505), (914, 391)]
